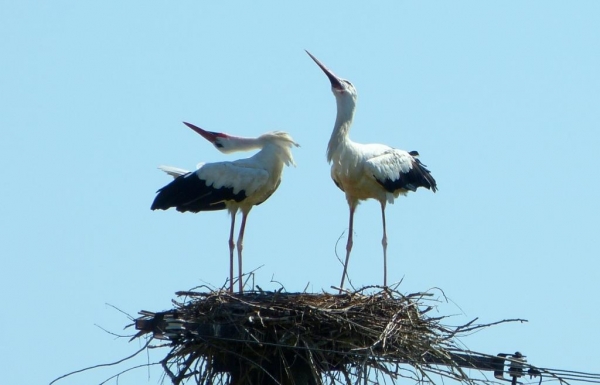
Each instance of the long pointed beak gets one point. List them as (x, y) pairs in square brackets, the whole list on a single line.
[(208, 135), (335, 81)]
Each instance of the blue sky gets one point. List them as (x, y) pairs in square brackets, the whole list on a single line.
[(501, 99)]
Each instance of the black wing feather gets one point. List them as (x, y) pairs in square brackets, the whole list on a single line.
[(190, 193), (417, 176)]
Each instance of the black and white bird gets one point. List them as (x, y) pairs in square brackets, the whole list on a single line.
[(235, 186), (368, 171)]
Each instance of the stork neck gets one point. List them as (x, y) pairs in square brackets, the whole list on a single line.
[(245, 144), (341, 128), (236, 143), (277, 152)]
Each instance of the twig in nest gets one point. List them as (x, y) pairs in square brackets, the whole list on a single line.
[(335, 336), (104, 365)]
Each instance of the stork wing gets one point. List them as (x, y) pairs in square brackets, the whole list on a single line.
[(239, 176), (210, 187), (397, 169)]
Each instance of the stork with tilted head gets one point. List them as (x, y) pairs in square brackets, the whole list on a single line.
[(235, 186), (368, 171)]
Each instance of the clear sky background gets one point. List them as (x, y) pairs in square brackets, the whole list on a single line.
[(501, 99)]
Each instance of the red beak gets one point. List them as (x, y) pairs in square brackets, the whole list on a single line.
[(208, 135), (335, 81)]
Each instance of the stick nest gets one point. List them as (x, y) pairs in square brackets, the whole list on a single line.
[(375, 334)]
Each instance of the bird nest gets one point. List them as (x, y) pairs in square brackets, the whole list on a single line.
[(373, 335)]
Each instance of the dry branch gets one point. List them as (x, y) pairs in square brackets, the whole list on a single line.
[(299, 338)]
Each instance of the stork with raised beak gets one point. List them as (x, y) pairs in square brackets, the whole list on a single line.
[(235, 186), (368, 171)]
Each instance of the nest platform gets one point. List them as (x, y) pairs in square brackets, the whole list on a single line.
[(375, 334)]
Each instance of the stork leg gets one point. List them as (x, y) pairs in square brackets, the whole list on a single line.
[(240, 247), (349, 244), (231, 247), (384, 244)]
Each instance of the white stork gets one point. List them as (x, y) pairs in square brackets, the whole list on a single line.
[(238, 185), (368, 171)]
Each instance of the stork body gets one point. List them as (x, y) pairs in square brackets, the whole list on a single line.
[(368, 171), (235, 186)]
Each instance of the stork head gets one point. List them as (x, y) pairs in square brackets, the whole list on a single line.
[(218, 139), (339, 86)]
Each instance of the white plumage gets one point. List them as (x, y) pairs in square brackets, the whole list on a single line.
[(237, 185), (173, 171), (368, 171), (245, 175)]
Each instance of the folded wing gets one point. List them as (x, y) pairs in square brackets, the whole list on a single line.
[(399, 170), (210, 187)]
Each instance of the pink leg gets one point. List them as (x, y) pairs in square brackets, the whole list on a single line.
[(231, 246), (348, 245), (384, 243), (240, 247)]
